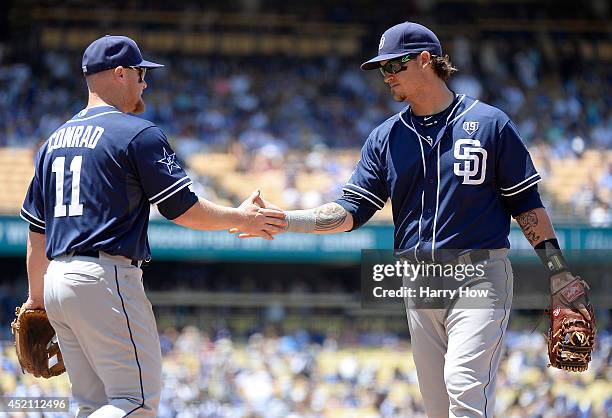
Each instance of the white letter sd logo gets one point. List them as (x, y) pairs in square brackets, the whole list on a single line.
[(473, 161)]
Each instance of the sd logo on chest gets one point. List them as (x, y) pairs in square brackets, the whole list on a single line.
[(472, 165)]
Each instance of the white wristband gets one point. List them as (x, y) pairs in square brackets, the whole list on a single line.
[(300, 221)]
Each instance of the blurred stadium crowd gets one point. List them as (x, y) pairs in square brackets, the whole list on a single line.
[(292, 376), (555, 91), (289, 115)]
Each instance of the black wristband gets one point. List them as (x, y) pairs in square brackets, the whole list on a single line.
[(551, 256)]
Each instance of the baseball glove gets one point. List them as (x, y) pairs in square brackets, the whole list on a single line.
[(571, 336), (35, 343)]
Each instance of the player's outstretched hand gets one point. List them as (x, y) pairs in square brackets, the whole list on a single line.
[(260, 219), (263, 203)]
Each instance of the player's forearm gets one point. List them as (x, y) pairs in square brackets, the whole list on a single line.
[(536, 226), (539, 232), (205, 215), (325, 219), (36, 263)]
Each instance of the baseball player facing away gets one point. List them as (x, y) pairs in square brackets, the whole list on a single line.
[(88, 207), (455, 170)]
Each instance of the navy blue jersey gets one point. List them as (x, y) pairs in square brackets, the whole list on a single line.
[(447, 183), (95, 179)]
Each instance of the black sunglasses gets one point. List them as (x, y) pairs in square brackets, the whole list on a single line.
[(141, 73), (395, 66)]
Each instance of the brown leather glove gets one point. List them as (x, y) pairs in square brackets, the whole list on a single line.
[(571, 336), (35, 344)]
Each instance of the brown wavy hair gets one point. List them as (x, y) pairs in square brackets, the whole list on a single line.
[(443, 67)]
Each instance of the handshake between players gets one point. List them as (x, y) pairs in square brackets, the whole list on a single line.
[(266, 218), (328, 218)]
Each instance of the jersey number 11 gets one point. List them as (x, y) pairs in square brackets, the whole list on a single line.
[(58, 166)]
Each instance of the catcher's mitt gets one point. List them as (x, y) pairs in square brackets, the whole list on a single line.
[(571, 337), (35, 345)]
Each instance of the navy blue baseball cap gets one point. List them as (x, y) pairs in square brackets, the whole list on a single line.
[(113, 51), (404, 39)]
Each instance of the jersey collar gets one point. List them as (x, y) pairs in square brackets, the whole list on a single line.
[(93, 111), (406, 117)]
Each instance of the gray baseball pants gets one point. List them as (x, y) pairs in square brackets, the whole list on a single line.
[(107, 334), (457, 350)]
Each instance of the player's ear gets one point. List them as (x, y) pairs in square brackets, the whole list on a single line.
[(425, 58), (119, 72)]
